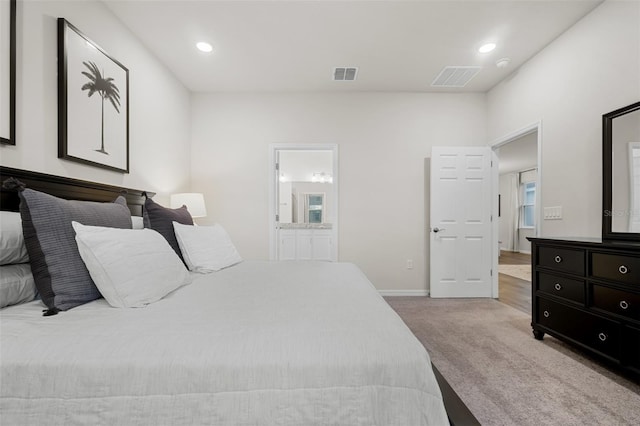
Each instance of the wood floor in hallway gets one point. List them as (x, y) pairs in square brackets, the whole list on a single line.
[(514, 291)]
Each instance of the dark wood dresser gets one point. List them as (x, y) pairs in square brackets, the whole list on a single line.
[(587, 292)]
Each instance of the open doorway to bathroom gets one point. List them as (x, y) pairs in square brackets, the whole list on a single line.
[(303, 202), (518, 218)]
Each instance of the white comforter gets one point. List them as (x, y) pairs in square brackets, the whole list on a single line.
[(257, 343)]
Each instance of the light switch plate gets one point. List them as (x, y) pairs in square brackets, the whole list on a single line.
[(553, 213)]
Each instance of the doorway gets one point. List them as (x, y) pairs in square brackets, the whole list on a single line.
[(514, 280), (519, 212), (303, 202)]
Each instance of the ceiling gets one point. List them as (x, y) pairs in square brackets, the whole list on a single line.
[(277, 46), (519, 155)]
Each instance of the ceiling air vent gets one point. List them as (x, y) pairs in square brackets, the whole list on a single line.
[(345, 74), (455, 76)]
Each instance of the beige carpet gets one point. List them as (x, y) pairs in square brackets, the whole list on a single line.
[(519, 271), (486, 351)]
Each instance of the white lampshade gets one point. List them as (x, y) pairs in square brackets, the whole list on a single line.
[(193, 200)]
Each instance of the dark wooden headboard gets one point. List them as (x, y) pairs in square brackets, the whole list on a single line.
[(67, 188)]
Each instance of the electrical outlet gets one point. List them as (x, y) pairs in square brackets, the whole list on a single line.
[(409, 264)]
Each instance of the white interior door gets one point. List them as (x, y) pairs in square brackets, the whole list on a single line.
[(461, 229)]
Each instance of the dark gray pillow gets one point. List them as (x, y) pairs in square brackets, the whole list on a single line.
[(60, 275), (161, 219)]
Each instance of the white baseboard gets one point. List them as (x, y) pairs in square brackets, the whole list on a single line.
[(384, 293)]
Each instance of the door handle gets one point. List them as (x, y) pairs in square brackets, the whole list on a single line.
[(436, 229)]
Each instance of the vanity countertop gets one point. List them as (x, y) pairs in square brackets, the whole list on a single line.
[(306, 226)]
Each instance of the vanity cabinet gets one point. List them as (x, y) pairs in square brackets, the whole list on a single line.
[(306, 244), (287, 244), (587, 292)]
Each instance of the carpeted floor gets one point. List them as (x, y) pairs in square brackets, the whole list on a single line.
[(486, 351)]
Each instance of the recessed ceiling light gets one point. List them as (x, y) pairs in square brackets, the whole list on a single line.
[(204, 46), (486, 48)]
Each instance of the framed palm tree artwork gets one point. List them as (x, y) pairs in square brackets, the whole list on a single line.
[(93, 102)]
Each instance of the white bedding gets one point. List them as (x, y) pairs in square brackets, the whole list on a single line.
[(258, 343)]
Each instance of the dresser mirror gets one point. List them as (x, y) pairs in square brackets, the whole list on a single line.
[(621, 174)]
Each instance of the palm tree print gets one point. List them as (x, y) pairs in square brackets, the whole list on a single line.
[(105, 88)]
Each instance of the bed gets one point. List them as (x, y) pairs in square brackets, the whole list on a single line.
[(283, 343)]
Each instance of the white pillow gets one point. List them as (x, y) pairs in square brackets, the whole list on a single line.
[(16, 284), (130, 267), (137, 222), (12, 248), (206, 248)]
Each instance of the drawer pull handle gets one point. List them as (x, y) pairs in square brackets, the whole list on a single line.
[(558, 286), (602, 337), (624, 304), (546, 314), (558, 259), (623, 269)]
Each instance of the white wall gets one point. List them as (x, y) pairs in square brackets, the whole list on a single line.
[(591, 69), (383, 139), (159, 116)]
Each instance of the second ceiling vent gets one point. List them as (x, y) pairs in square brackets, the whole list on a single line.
[(455, 76), (345, 73)]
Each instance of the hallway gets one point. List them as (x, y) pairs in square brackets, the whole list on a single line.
[(514, 291)]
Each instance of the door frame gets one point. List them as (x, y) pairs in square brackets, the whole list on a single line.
[(497, 143), (273, 185)]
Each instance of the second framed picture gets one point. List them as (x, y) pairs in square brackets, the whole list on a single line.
[(93, 102)]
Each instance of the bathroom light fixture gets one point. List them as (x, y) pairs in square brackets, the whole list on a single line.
[(321, 178), (194, 202), (486, 48), (203, 46)]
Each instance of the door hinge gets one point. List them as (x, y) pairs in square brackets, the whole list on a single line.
[(491, 272), (277, 166), (277, 218), (491, 218)]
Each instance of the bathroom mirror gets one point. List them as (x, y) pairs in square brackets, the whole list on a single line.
[(305, 190), (621, 174)]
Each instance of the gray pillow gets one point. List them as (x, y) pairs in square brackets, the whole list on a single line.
[(161, 219), (60, 275)]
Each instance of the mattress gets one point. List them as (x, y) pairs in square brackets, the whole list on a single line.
[(291, 343)]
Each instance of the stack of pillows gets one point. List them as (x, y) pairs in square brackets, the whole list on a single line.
[(16, 281), (79, 251)]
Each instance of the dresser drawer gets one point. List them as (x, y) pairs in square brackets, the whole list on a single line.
[(561, 287), (617, 301), (561, 259), (625, 269), (593, 331), (631, 347)]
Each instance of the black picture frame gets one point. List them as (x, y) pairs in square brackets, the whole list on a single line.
[(93, 102), (8, 83), (608, 234)]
